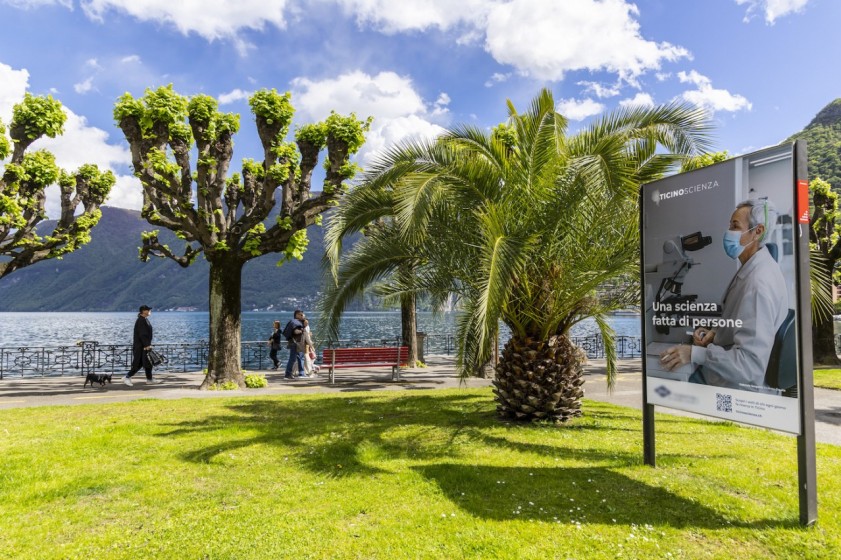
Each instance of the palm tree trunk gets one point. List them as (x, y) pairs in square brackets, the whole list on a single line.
[(539, 380), (408, 329)]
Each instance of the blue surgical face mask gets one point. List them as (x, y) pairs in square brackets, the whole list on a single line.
[(732, 243)]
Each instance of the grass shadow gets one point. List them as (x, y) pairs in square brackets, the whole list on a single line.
[(573, 495)]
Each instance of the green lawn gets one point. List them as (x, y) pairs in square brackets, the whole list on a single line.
[(410, 474), (828, 378)]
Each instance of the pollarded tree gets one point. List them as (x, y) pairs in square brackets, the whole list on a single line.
[(226, 217), (25, 178)]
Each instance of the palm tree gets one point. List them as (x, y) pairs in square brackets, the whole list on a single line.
[(524, 224)]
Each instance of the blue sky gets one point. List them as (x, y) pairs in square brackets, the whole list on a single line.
[(762, 68)]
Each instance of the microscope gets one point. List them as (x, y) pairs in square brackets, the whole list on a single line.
[(669, 301)]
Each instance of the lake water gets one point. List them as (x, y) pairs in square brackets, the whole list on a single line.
[(64, 329)]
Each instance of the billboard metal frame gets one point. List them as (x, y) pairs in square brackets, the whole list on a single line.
[(806, 457)]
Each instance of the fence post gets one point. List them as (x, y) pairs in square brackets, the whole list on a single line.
[(87, 358)]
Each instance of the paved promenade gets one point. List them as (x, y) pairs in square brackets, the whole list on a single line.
[(17, 392)]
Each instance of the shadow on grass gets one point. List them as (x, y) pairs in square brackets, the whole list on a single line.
[(331, 436), (570, 495)]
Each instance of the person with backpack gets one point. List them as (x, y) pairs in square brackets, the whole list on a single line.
[(293, 332)]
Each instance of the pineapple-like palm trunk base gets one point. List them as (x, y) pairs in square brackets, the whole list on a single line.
[(539, 380)]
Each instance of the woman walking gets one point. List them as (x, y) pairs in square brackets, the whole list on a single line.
[(274, 343)]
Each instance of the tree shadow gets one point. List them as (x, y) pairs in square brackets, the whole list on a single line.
[(337, 431), (574, 495)]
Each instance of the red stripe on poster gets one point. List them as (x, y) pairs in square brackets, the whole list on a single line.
[(803, 201)]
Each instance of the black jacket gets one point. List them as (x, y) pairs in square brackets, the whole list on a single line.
[(142, 332)]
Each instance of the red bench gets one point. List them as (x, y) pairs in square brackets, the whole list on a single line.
[(389, 356)]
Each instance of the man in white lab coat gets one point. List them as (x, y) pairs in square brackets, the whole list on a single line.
[(755, 305)]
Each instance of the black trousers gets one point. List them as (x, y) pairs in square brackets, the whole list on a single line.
[(273, 355), (140, 360)]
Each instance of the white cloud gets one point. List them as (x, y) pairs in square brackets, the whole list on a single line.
[(131, 59), (497, 78), (708, 97), (399, 111), (13, 84), (578, 110), (26, 4), (389, 16), (211, 19), (545, 38), (599, 90), (386, 95), (79, 144), (234, 96), (82, 144), (84, 87), (639, 100), (522, 33), (773, 9)]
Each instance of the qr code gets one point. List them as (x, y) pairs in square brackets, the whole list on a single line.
[(724, 403)]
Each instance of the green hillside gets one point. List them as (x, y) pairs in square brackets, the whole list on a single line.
[(106, 275), (823, 137)]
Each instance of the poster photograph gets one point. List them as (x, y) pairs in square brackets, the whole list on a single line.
[(719, 290)]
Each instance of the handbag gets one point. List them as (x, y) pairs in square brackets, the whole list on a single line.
[(155, 357)]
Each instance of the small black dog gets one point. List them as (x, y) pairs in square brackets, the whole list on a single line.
[(100, 378)]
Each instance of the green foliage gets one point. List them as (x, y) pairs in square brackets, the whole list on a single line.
[(315, 134), (39, 169), (703, 160), (273, 107), (256, 381), (296, 247), (99, 184), (226, 386), (39, 116), (823, 136), (249, 166), (505, 134), (511, 222), (348, 129), (5, 147), (163, 107), (180, 132), (252, 240)]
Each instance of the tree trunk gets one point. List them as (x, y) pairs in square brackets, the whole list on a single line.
[(408, 326), (539, 380), (823, 342), (224, 359)]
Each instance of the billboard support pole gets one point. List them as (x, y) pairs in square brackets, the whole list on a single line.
[(648, 446), (806, 459)]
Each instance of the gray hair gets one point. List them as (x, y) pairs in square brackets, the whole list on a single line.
[(762, 211)]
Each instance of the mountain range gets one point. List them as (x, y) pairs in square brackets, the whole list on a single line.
[(107, 275)]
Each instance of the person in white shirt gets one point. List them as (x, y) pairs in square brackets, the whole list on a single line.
[(755, 305)]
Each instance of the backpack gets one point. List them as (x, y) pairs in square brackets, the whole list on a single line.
[(291, 330)]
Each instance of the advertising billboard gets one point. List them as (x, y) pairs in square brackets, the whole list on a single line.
[(720, 290)]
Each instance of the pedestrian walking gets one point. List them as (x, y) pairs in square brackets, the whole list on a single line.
[(292, 332), (274, 343), (141, 344)]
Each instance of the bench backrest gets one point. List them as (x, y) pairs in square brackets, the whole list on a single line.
[(385, 355)]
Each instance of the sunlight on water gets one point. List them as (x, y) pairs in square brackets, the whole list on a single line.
[(65, 329)]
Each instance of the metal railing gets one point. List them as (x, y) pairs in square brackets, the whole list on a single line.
[(90, 356)]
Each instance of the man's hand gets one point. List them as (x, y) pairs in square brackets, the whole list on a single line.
[(703, 337), (676, 356)]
